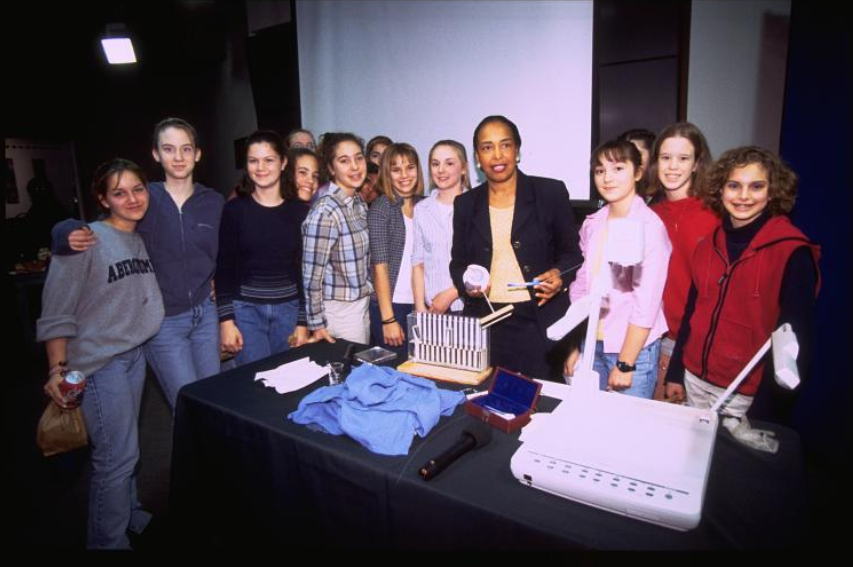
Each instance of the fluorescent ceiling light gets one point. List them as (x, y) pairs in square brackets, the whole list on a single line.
[(119, 50)]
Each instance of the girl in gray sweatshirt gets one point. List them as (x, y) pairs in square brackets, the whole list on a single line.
[(98, 309)]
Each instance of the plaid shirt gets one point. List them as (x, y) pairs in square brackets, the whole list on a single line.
[(335, 253)]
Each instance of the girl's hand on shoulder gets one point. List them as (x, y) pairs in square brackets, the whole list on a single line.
[(82, 239)]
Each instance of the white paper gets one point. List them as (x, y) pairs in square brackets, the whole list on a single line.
[(554, 389), (292, 376)]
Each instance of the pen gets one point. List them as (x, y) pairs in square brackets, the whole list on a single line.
[(499, 413), (537, 281), (525, 284)]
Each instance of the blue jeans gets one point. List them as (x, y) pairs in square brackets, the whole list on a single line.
[(643, 378), (265, 328), (185, 350), (111, 404), (401, 312)]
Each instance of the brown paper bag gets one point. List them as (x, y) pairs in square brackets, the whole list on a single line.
[(60, 430)]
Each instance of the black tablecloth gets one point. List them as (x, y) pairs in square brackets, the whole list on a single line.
[(245, 475)]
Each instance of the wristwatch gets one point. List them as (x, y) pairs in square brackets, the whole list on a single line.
[(625, 367)]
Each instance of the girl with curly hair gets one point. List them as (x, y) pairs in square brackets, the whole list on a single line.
[(750, 275)]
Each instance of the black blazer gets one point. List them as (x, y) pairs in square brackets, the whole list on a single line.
[(543, 237)]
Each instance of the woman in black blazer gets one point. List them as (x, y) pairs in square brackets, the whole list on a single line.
[(519, 228)]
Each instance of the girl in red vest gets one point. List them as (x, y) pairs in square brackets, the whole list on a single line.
[(750, 275)]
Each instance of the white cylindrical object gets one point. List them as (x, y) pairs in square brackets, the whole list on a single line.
[(475, 277)]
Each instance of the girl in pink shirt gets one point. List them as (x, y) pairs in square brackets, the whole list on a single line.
[(632, 319)]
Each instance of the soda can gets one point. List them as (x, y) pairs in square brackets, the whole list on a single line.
[(72, 387)]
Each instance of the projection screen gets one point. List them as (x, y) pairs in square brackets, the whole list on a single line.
[(428, 70)]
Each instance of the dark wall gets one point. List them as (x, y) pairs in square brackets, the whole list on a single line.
[(274, 71), (640, 55), (816, 143), (63, 89), (640, 63)]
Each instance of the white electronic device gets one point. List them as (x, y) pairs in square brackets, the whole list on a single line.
[(639, 458)]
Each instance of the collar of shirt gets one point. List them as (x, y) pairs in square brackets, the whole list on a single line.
[(348, 201)]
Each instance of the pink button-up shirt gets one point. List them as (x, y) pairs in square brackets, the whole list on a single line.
[(637, 294)]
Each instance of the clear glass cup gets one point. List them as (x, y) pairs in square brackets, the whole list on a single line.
[(336, 373)]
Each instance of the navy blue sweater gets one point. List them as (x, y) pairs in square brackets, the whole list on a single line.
[(260, 257)]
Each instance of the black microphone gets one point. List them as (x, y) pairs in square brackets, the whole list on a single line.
[(473, 437)]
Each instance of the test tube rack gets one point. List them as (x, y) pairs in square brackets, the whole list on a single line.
[(447, 347)]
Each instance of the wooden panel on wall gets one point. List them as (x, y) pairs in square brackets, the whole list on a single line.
[(640, 53)]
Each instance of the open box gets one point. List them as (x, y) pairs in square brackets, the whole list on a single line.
[(511, 399)]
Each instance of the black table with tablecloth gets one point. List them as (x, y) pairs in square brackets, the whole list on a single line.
[(243, 475)]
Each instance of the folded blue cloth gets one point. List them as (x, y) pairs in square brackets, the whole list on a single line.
[(379, 407)]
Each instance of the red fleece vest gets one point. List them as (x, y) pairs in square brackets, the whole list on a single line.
[(737, 307)]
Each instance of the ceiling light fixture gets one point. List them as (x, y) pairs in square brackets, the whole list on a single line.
[(117, 45)]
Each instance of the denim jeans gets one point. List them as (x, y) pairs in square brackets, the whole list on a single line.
[(111, 404), (185, 350), (401, 312), (265, 328), (643, 379)]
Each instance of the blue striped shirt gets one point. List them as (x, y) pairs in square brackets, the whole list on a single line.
[(336, 253), (433, 241)]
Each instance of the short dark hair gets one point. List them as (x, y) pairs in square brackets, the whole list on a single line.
[(516, 136), (288, 183), (641, 134), (178, 123), (274, 139), (616, 150), (289, 139), (377, 140)]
